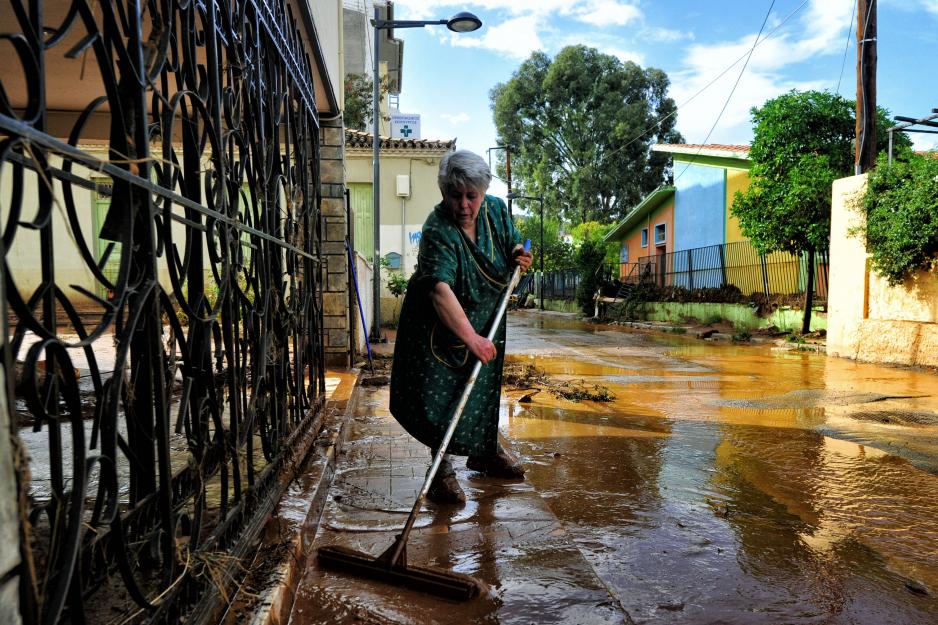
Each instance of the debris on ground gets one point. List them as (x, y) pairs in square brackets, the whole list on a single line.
[(381, 363), (524, 377)]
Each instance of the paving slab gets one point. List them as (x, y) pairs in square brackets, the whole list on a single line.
[(505, 536)]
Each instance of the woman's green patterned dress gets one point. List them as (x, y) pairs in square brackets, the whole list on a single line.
[(431, 365)]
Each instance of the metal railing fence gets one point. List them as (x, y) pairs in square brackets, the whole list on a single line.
[(560, 284), (738, 264), (167, 352)]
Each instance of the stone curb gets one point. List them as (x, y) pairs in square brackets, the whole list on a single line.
[(312, 486)]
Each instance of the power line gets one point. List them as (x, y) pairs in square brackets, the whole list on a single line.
[(847, 45), (709, 84), (733, 90)]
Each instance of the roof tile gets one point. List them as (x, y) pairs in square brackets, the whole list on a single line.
[(360, 139)]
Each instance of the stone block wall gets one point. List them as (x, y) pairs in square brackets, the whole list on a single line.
[(334, 227), (9, 517)]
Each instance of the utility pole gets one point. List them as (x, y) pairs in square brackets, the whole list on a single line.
[(508, 176), (866, 86)]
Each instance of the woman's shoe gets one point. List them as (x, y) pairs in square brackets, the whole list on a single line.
[(498, 465), (444, 488)]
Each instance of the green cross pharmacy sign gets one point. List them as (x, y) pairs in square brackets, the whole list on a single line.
[(405, 126)]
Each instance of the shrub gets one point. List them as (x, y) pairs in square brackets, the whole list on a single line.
[(901, 205), (588, 258)]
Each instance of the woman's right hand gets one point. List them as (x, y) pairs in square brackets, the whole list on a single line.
[(482, 348)]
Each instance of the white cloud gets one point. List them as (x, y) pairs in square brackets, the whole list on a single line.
[(824, 26), (455, 118), (624, 55), (607, 13), (665, 34), (923, 142), (931, 6), (516, 38)]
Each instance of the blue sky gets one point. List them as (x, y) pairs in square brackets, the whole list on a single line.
[(447, 76)]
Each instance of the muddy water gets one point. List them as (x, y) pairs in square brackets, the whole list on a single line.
[(737, 484)]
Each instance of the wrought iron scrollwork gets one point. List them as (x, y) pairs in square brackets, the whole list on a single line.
[(168, 348)]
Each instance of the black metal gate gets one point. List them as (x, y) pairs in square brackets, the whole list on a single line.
[(172, 393)]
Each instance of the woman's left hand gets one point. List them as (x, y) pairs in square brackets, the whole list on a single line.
[(523, 259)]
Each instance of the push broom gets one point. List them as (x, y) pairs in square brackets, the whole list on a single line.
[(391, 566)]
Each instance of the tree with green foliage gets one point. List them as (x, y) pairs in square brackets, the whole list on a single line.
[(557, 253), (901, 203), (595, 232), (580, 128), (359, 101), (803, 141)]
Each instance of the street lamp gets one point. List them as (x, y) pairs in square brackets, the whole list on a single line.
[(462, 22), (540, 198)]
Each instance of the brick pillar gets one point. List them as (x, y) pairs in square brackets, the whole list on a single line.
[(335, 277)]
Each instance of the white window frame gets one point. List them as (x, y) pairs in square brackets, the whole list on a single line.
[(623, 253), (664, 233), (644, 237)]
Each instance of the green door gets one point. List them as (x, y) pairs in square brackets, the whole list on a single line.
[(102, 202), (363, 216)]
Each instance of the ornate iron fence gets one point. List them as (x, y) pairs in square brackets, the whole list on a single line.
[(162, 262)]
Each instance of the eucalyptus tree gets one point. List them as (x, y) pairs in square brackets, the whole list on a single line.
[(580, 127)]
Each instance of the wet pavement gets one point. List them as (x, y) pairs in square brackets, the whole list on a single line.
[(725, 484), (505, 536)]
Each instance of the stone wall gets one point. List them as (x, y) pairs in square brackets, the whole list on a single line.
[(867, 318), (334, 227), (9, 516)]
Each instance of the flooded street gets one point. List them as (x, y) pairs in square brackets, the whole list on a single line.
[(736, 483)]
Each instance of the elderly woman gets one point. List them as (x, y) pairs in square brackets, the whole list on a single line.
[(468, 250)]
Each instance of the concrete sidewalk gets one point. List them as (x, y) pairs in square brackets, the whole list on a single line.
[(505, 536)]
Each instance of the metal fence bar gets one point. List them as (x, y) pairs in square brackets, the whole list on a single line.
[(170, 356), (737, 264)]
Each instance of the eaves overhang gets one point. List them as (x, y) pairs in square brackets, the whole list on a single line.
[(652, 201), (712, 154)]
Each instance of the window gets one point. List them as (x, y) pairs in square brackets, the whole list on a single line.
[(644, 237), (624, 253), (660, 234)]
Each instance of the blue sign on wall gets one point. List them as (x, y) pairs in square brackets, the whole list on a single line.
[(394, 260)]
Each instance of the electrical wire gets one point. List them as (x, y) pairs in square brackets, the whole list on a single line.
[(843, 64), (732, 91), (709, 84)]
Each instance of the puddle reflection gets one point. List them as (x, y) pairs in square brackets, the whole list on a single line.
[(737, 484)]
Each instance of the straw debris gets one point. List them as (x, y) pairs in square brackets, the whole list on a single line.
[(520, 376)]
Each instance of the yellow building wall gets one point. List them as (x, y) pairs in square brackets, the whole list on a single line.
[(868, 319), (24, 254), (401, 217), (736, 180)]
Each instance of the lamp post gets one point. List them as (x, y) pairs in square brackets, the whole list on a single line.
[(540, 198), (507, 170), (460, 23)]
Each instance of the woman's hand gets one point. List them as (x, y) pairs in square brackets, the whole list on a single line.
[(454, 317), (482, 348), (522, 259)]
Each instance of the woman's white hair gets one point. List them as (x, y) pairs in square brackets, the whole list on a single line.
[(463, 169)]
